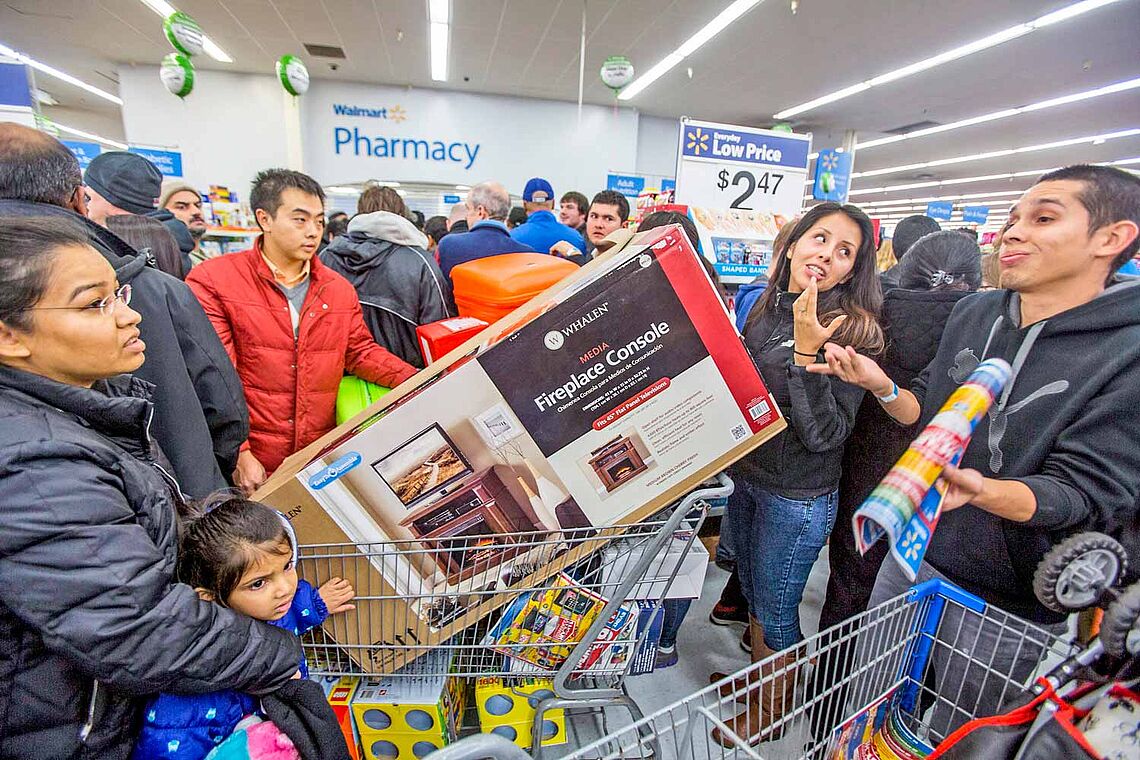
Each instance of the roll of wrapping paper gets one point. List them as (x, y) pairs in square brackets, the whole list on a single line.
[(906, 504)]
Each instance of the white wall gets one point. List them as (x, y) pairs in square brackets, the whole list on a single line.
[(517, 138), (657, 146), (228, 128)]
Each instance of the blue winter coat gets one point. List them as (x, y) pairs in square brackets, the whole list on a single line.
[(188, 726)]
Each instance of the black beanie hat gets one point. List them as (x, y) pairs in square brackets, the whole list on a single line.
[(126, 180)]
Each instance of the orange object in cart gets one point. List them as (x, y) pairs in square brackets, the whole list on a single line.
[(491, 288)]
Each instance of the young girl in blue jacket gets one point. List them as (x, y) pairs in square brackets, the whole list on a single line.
[(242, 555)]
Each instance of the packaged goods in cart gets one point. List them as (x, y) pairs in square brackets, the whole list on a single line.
[(339, 691), (596, 404), (507, 707), (906, 505)]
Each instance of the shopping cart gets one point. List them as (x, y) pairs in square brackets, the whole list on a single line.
[(618, 572), (869, 679)]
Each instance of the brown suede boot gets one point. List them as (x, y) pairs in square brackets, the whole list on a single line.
[(767, 694)]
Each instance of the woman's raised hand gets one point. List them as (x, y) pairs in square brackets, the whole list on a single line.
[(852, 367), (810, 335)]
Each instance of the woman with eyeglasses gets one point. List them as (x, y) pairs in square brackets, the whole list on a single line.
[(91, 619)]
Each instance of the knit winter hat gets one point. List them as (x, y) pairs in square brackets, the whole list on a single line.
[(126, 180)]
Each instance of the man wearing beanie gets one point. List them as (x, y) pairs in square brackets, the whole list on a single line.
[(906, 233), (118, 183), (184, 202)]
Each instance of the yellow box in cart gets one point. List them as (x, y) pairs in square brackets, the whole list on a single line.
[(582, 410), (403, 718), (507, 709)]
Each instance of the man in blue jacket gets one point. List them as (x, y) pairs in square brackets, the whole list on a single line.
[(488, 204), (542, 229)]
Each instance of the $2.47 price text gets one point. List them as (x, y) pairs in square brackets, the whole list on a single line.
[(749, 183)]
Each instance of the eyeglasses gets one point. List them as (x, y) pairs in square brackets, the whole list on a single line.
[(106, 306)]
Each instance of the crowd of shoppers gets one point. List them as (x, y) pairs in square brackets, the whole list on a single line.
[(127, 393)]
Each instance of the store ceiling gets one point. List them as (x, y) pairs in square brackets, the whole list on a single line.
[(768, 60)]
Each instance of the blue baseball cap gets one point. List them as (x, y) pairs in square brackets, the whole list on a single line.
[(538, 190)]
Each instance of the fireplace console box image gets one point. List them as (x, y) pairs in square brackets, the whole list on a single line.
[(582, 409)]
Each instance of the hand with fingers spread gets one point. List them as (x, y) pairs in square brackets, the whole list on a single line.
[(810, 335), (853, 367), (337, 594)]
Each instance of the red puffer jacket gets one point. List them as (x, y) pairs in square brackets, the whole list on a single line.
[(290, 385)]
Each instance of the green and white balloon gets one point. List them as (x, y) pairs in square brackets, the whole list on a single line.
[(293, 75), (177, 74), (184, 33), (617, 72)]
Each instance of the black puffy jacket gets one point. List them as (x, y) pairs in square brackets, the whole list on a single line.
[(201, 419), (90, 618)]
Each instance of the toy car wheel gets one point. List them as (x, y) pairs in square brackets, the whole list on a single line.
[(1120, 629), (1075, 574)]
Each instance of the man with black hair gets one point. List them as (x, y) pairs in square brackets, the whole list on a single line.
[(608, 212), (291, 325), (200, 416), (1059, 451)]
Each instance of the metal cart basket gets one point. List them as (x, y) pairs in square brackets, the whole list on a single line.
[(615, 571)]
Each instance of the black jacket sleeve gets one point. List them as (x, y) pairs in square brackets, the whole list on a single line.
[(823, 409), (215, 379), (77, 567)]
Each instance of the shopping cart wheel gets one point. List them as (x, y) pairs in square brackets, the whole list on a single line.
[(1075, 574), (1120, 629)]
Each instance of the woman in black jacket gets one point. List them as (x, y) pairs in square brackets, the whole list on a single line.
[(823, 287), (939, 270), (90, 616)]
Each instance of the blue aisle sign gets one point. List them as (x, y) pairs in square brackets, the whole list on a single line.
[(832, 175), (84, 152), (976, 214), (169, 162), (668, 184), (451, 199), (14, 88), (626, 184), (940, 210)]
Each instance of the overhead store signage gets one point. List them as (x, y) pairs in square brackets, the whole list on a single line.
[(451, 199), (84, 152), (832, 178), (975, 214), (354, 142), (741, 185), (723, 166), (14, 88), (626, 184), (169, 162), (940, 210), (668, 184)]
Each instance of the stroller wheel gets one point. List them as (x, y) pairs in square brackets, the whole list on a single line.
[(1120, 630), (1075, 574)]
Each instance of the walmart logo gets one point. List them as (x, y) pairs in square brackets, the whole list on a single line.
[(698, 141), (829, 161), (395, 113)]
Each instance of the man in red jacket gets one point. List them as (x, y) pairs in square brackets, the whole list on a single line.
[(291, 325)]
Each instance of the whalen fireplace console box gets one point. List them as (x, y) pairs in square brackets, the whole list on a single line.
[(597, 403)]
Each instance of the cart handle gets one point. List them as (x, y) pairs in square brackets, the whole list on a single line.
[(479, 746), (724, 487)]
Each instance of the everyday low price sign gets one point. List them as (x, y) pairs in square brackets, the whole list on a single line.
[(724, 166)]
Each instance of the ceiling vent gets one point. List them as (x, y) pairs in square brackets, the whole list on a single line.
[(325, 51), (906, 127)]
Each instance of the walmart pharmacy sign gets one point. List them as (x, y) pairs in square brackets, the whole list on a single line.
[(351, 141)]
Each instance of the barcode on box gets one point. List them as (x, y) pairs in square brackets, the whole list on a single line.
[(759, 410), (739, 432)]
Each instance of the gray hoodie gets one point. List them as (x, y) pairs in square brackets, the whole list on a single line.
[(399, 284)]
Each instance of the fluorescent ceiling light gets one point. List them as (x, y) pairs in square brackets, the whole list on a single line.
[(54, 72), (89, 136), (1051, 103), (463, 187), (439, 11), (342, 190), (997, 153), (439, 34), (383, 183), (209, 47), (998, 38), (688, 47)]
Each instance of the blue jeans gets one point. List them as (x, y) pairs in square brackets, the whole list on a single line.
[(777, 540)]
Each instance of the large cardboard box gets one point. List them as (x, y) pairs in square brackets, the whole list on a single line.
[(598, 403)]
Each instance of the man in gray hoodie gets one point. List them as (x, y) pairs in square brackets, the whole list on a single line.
[(399, 284)]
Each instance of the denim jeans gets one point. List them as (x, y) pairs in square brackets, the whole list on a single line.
[(777, 540)]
